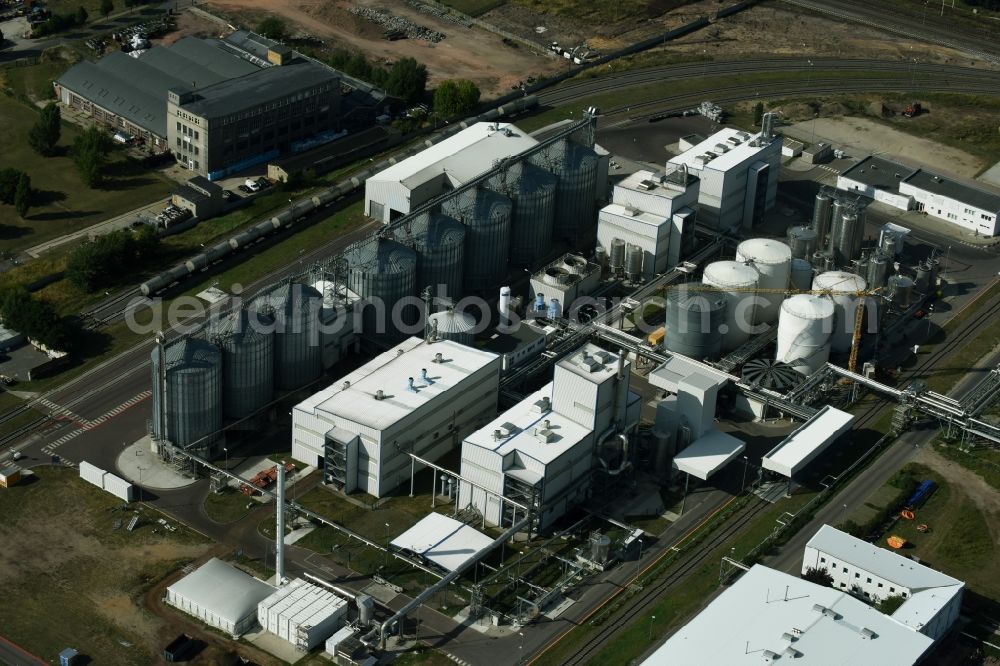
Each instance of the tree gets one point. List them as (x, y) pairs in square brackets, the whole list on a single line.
[(9, 179), (45, 133), (22, 195), (758, 113), (891, 604), (272, 28), (35, 318), (109, 258), (446, 99), (407, 80), (107, 6), (818, 576), (90, 154), (81, 15)]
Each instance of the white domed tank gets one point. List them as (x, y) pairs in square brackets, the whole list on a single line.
[(740, 303), (804, 329), (802, 275), (453, 325), (845, 304), (773, 260)]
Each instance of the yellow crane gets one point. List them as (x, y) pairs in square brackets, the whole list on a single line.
[(859, 312)]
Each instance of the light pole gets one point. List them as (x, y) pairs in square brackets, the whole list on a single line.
[(520, 648), (387, 544), (746, 463), (638, 561), (226, 451), (652, 618)]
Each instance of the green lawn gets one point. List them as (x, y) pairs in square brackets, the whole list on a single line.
[(984, 461), (474, 7), (228, 506)]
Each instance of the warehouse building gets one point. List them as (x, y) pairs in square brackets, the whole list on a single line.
[(219, 105), (933, 599), (541, 452), (221, 596), (418, 397), (303, 614), (970, 206), (394, 192), (768, 616), (739, 177), (648, 211)]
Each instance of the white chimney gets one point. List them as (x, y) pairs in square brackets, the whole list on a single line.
[(279, 552), (504, 309)]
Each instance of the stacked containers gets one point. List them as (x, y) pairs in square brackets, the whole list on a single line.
[(737, 281), (246, 340), (439, 241), (532, 191), (383, 271), (297, 349), (193, 369), (773, 260), (486, 216), (844, 286), (694, 321), (804, 329)]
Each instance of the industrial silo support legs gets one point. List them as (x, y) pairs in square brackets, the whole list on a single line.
[(687, 479)]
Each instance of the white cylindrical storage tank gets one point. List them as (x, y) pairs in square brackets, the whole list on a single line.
[(773, 260), (740, 302), (804, 329), (802, 275), (845, 304)]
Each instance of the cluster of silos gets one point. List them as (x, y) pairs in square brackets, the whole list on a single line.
[(844, 290), (772, 259), (439, 242), (188, 374), (246, 340), (453, 325), (295, 308), (487, 219), (383, 272), (822, 213), (694, 320), (737, 282), (532, 192), (575, 166), (847, 232), (805, 327)]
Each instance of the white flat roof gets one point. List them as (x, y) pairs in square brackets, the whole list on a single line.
[(638, 181), (708, 454), (520, 423), (637, 215), (677, 368), (770, 613), (592, 363), (390, 372), (222, 590), (807, 441), (442, 540), (303, 603), (462, 156), (727, 160)]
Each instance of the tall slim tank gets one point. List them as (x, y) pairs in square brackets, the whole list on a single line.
[(693, 322), (890, 245), (246, 340), (633, 263), (899, 290), (384, 272), (843, 287), (837, 209), (532, 192), (298, 354), (616, 256), (802, 275), (193, 410), (575, 165), (822, 210), (804, 330), (737, 281), (486, 216), (846, 236), (773, 260), (878, 270), (923, 276), (802, 241), (453, 325), (439, 241)]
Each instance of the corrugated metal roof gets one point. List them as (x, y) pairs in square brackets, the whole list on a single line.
[(443, 540), (381, 256), (222, 590), (708, 454)]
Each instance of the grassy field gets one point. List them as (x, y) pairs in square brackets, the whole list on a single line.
[(58, 543), (600, 11), (983, 461), (474, 7), (228, 506)]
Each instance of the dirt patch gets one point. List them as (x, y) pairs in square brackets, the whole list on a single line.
[(985, 497), (191, 24)]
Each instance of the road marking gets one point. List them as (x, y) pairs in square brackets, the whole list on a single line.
[(85, 426)]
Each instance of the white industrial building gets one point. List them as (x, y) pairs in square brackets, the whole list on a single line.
[(806, 442), (418, 397), (562, 282), (972, 207), (739, 177), (541, 452), (394, 192), (933, 599), (442, 541), (768, 616), (303, 614), (221, 596), (650, 212)]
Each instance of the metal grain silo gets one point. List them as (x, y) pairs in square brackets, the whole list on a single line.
[(801, 276), (843, 287), (384, 272), (802, 241), (451, 325), (486, 216), (899, 291), (878, 270), (298, 351), (737, 282), (773, 260), (804, 329), (693, 322), (439, 241), (246, 340), (616, 256), (822, 210), (575, 165), (846, 236), (532, 191), (634, 255), (191, 374)]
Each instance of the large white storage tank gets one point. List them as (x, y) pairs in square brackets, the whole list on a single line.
[(845, 304), (738, 282), (773, 260), (804, 329)]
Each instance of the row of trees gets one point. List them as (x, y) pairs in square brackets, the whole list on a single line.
[(15, 189), (34, 318), (60, 22), (108, 259), (453, 98), (405, 78)]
